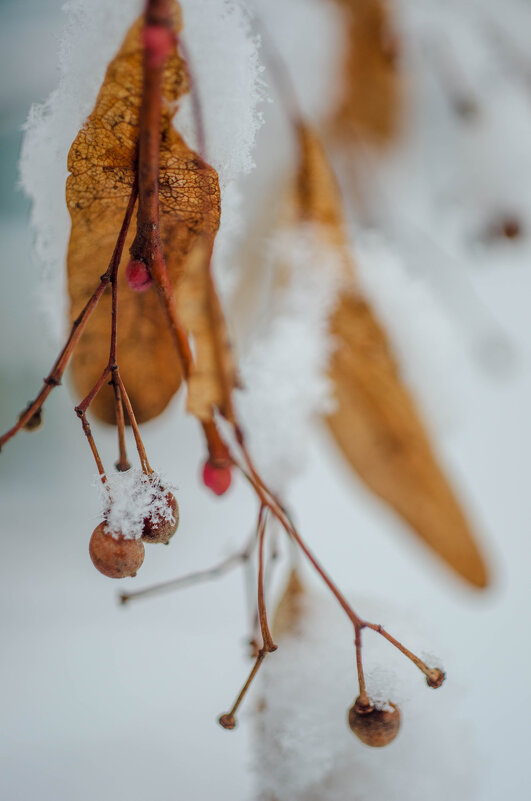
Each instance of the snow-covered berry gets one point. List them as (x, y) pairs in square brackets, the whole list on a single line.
[(114, 555), (217, 477), (162, 528), (138, 276), (374, 727)]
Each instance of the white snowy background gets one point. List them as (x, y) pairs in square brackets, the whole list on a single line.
[(99, 701)]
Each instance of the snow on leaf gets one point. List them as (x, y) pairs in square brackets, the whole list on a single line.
[(284, 368)]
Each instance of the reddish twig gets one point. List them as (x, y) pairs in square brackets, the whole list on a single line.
[(434, 676), (159, 41), (90, 439), (123, 463), (218, 451), (228, 720), (363, 698), (134, 425)]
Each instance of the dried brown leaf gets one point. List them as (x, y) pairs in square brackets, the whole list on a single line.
[(380, 432), (102, 165), (213, 377), (376, 423), (370, 89)]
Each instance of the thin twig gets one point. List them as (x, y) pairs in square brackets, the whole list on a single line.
[(123, 463), (363, 697), (228, 720), (134, 425), (268, 645), (90, 439), (82, 407), (269, 500), (433, 675), (192, 578)]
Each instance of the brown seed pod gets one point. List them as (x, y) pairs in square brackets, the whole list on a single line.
[(374, 727), (115, 557), (228, 721), (162, 530)]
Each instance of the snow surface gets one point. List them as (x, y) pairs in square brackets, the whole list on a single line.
[(305, 749), (283, 367)]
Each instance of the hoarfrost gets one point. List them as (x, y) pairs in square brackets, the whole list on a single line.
[(284, 368), (132, 497), (423, 336)]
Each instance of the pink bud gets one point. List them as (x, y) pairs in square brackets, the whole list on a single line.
[(159, 42), (138, 276), (217, 479)]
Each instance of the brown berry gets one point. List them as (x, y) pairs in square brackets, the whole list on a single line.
[(227, 721), (374, 727), (506, 226), (511, 228), (162, 530), (115, 556)]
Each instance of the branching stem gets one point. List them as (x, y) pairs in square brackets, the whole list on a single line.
[(53, 379), (433, 675)]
